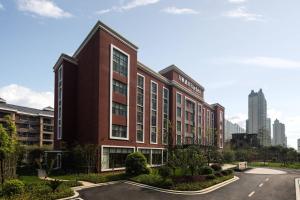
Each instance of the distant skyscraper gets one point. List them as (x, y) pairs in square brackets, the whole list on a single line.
[(279, 137), (257, 117), (231, 128), (298, 145), (268, 132)]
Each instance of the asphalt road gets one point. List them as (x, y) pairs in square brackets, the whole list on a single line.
[(249, 186)]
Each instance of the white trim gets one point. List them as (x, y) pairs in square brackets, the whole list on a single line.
[(177, 105), (156, 110), (138, 74), (185, 98), (153, 148), (168, 113), (199, 108), (60, 107), (112, 47), (110, 31), (113, 146)]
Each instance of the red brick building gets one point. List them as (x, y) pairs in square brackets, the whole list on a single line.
[(104, 96)]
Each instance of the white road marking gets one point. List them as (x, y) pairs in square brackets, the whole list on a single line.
[(252, 193), (260, 185), (267, 179)]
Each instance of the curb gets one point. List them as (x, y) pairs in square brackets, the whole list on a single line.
[(75, 189), (297, 187), (204, 191)]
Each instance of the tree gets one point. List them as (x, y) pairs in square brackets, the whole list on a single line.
[(7, 147), (228, 156), (195, 159)]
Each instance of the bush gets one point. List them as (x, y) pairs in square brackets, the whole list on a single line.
[(165, 171), (153, 180), (227, 172), (54, 184), (13, 187), (228, 156), (216, 167), (206, 170), (218, 174), (210, 177), (136, 164)]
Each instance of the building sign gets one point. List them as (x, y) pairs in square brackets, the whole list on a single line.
[(189, 84)]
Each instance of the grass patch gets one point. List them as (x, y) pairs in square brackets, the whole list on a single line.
[(200, 185), (93, 177), (36, 189), (275, 165)]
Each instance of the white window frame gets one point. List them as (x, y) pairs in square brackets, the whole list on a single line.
[(59, 99), (138, 74), (153, 110), (177, 105), (153, 148), (168, 113), (113, 146), (187, 98), (199, 122), (112, 47)]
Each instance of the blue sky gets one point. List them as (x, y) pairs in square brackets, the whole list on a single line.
[(228, 46)]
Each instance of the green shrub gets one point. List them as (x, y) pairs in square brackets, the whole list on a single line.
[(54, 184), (218, 174), (229, 171), (216, 167), (210, 177), (165, 171), (153, 180), (13, 187), (224, 172), (136, 164), (206, 170)]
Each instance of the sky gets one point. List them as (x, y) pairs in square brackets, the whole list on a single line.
[(229, 46)]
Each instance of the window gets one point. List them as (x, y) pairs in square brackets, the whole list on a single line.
[(156, 157), (165, 115), (119, 109), (147, 154), (199, 124), (179, 117), (59, 102), (120, 62), (153, 113), (119, 87), (190, 120), (178, 97), (178, 112), (119, 131), (114, 157), (140, 108)]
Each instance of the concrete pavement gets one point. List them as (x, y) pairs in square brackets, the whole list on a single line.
[(250, 186)]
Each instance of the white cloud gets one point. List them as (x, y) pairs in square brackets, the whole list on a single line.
[(45, 8), (237, 1), (242, 13), (128, 6), (179, 11), (239, 119), (274, 114), (23, 96), (138, 3), (271, 62), (1, 7)]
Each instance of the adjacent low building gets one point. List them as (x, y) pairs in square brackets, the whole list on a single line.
[(34, 127), (231, 128), (298, 145), (244, 140), (105, 96)]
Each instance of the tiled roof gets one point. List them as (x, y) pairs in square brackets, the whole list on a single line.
[(25, 110)]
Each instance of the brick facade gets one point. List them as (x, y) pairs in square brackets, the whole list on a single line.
[(104, 77)]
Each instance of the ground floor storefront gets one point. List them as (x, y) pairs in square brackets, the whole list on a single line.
[(113, 157)]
